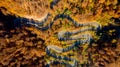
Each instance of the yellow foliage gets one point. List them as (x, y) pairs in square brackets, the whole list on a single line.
[(114, 41)]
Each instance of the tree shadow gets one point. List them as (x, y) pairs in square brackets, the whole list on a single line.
[(6, 21)]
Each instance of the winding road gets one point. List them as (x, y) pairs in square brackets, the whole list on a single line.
[(62, 35)]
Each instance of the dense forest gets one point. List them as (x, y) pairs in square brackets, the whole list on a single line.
[(59, 33)]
